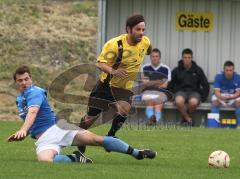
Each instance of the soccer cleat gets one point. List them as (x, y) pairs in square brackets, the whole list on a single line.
[(152, 121), (186, 123), (82, 148), (146, 153), (81, 158)]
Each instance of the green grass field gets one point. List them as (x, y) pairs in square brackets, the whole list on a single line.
[(182, 153)]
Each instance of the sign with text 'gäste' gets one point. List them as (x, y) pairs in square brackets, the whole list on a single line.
[(194, 21)]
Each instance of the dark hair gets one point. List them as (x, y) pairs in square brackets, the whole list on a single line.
[(21, 70), (187, 51), (228, 63), (134, 20), (157, 51)]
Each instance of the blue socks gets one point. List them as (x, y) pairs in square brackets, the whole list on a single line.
[(149, 111), (64, 158), (117, 145), (158, 115), (237, 113)]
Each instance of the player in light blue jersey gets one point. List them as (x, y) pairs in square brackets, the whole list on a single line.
[(34, 96), (52, 134), (227, 89)]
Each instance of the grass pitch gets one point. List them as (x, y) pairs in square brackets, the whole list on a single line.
[(182, 153)]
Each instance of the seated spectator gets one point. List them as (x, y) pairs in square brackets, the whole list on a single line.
[(227, 89), (189, 84), (155, 80)]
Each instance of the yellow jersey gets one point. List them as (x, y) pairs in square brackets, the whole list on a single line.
[(132, 59)]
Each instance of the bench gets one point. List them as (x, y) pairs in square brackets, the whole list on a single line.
[(171, 114), (206, 106)]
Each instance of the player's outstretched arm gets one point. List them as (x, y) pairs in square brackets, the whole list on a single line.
[(30, 118)]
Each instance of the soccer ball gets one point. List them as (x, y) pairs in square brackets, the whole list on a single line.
[(219, 159)]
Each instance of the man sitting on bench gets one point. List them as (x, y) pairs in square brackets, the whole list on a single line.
[(227, 90)]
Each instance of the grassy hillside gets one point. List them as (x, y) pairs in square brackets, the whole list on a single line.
[(50, 37)]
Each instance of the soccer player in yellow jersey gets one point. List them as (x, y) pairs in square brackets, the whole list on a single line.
[(119, 62)]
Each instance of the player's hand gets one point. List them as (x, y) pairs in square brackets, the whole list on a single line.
[(120, 72), (18, 136)]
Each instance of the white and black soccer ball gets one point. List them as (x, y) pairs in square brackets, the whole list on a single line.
[(219, 159)]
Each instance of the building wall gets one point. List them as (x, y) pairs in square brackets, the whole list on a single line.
[(210, 49)]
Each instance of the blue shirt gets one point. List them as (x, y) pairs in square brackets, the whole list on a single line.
[(35, 96), (157, 73), (225, 85)]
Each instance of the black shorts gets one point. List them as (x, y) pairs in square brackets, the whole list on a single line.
[(189, 94), (102, 95)]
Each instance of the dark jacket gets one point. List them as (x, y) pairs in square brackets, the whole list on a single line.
[(193, 79)]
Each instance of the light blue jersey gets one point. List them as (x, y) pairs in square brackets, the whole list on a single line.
[(35, 96), (225, 85)]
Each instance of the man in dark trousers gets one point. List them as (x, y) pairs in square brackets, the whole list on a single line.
[(190, 85)]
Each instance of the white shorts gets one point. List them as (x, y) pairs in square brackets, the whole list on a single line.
[(225, 103), (55, 138), (154, 95)]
